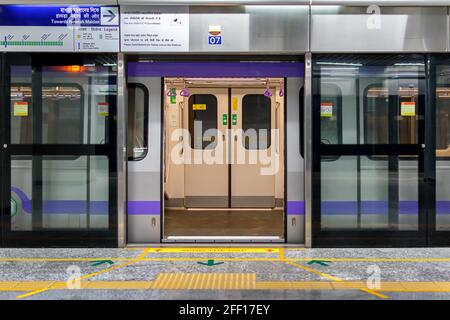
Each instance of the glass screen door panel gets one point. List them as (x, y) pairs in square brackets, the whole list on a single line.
[(60, 154), (439, 210), (368, 150)]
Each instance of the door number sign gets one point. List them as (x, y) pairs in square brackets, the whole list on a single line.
[(215, 35)]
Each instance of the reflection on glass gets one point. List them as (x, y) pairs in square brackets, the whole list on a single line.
[(359, 193), (75, 194), (256, 117), (137, 118), (203, 121), (443, 148), (73, 104), (330, 114)]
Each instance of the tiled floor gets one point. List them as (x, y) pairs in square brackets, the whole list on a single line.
[(225, 273)]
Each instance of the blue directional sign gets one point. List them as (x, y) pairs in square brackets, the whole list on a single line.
[(24, 15), (59, 28)]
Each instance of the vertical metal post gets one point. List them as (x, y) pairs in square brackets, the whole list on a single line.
[(308, 148), (121, 151)]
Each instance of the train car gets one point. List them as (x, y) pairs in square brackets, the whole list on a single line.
[(301, 122)]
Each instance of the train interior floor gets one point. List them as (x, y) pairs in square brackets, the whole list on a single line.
[(222, 223), (226, 272)]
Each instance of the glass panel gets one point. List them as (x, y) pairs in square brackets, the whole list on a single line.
[(256, 121), (62, 114), (442, 148), (203, 121), (380, 98), (137, 119), (75, 193), (76, 103), (360, 193)]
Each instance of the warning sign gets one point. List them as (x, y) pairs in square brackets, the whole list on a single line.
[(102, 108), (326, 109), (408, 109), (20, 109), (201, 106)]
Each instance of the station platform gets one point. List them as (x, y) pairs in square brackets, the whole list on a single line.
[(227, 272)]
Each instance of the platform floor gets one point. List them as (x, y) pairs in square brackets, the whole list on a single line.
[(225, 273), (223, 223)]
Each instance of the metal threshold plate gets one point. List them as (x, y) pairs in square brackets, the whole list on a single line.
[(223, 239)]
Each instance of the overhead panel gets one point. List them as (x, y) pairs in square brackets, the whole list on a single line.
[(214, 28), (378, 29)]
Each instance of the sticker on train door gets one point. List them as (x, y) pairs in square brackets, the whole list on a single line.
[(234, 119), (102, 108), (234, 104), (326, 109), (199, 106), (408, 109), (20, 109), (224, 119)]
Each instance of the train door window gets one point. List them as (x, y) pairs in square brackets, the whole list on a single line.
[(330, 114), (62, 107), (62, 114), (408, 104), (379, 120), (203, 121), (21, 114), (376, 115), (137, 121), (443, 122), (256, 121)]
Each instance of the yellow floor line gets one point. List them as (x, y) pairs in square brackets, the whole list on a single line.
[(349, 285), (281, 254), (138, 259), (224, 281), (391, 260)]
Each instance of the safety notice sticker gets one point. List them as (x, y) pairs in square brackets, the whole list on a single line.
[(20, 109), (408, 109), (155, 28), (326, 109)]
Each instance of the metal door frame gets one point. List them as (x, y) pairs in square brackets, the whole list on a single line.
[(368, 238), (58, 237)]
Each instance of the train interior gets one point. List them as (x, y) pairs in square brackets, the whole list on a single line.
[(223, 159)]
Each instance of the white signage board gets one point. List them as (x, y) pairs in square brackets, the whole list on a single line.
[(154, 28)]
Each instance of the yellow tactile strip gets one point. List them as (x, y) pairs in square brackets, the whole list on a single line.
[(224, 281), (204, 281)]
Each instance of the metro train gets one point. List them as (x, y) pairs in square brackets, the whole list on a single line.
[(316, 123)]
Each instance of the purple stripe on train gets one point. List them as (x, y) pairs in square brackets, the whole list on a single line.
[(144, 207), (154, 207), (216, 69), (80, 206), (295, 208), (367, 207)]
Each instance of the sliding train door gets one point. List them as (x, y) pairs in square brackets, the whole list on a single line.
[(254, 120), (205, 116)]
